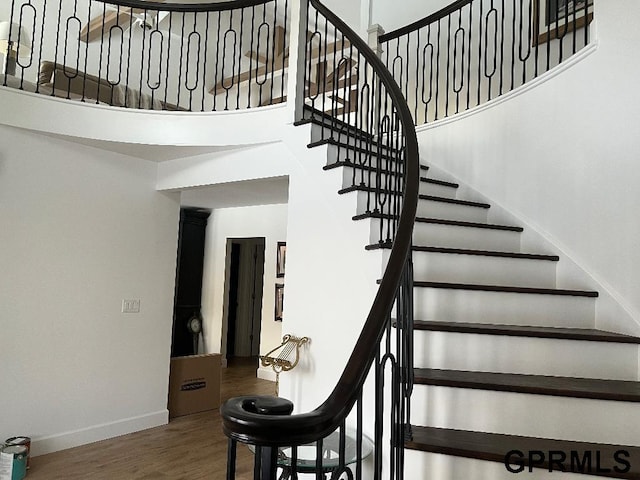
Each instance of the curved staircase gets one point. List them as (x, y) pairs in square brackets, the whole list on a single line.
[(506, 364)]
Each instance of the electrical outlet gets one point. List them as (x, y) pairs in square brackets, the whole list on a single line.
[(131, 306)]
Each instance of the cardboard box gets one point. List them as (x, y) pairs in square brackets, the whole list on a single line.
[(194, 384)]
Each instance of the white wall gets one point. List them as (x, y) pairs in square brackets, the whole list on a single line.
[(82, 229), (563, 156), (268, 221)]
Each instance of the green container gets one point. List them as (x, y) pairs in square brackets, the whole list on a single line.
[(16, 456)]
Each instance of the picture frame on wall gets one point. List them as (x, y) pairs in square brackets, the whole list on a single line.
[(279, 302), (281, 258), (558, 18)]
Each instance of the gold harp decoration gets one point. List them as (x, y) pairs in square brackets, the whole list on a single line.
[(284, 357)]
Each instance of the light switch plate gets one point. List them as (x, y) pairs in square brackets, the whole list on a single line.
[(131, 306)]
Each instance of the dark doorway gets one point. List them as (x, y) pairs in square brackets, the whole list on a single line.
[(188, 289), (243, 296)]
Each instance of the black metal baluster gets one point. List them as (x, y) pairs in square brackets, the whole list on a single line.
[(513, 43), (319, 459), (218, 62), (501, 89), (528, 33), (104, 12), (469, 60), (144, 42), (273, 49), (457, 87), (379, 420), (448, 68), (86, 54), (480, 57), (437, 83), (490, 70), (204, 62), (283, 53), (41, 43), (231, 459), (240, 58), (359, 436), (415, 106), (294, 463), (126, 86), (166, 80)]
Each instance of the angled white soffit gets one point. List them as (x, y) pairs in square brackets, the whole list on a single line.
[(264, 191)]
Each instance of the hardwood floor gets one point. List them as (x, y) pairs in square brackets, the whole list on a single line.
[(192, 447)]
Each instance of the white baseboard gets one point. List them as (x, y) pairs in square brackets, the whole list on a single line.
[(95, 433), (266, 374)]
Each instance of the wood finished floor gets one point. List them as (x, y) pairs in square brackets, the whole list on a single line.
[(192, 447)]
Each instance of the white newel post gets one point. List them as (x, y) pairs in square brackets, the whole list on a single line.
[(374, 32), (297, 46)]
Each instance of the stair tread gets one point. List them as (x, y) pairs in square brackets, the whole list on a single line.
[(440, 221), (432, 198), (326, 120), (357, 166), (494, 447), (506, 288), (587, 334), (358, 149), (467, 251), (618, 390), (459, 223)]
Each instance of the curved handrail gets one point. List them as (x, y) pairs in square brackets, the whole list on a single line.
[(189, 7), (241, 420), (423, 22)]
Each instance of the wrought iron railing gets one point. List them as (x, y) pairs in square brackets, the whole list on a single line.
[(137, 54), (473, 51), (357, 107)]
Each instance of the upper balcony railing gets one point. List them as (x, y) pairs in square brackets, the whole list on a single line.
[(130, 53), (474, 51)]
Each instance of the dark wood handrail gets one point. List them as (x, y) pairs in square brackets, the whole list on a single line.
[(417, 25), (187, 7), (240, 420)]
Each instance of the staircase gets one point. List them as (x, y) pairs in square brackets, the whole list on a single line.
[(504, 360)]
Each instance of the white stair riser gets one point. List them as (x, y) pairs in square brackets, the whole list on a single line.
[(525, 355), (363, 177), (448, 467), (322, 133), (436, 235), (430, 209), (564, 418), (484, 270), (362, 157), (456, 305)]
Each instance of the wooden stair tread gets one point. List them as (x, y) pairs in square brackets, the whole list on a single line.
[(385, 154), (440, 221), (317, 117), (467, 251), (367, 168), (586, 334), (617, 390), (431, 198), (494, 447), (506, 289)]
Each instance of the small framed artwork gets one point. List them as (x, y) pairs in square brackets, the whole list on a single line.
[(279, 301), (281, 259), (557, 18)]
